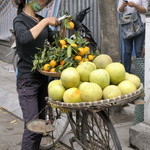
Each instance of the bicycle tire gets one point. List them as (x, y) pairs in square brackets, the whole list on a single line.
[(60, 125), (111, 129), (98, 132)]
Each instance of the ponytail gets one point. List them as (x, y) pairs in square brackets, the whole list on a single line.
[(20, 7)]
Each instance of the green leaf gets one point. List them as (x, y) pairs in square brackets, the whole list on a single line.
[(70, 41), (69, 51)]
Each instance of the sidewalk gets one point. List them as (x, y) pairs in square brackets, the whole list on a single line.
[(11, 124)]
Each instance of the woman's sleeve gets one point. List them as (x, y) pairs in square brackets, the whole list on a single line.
[(23, 35)]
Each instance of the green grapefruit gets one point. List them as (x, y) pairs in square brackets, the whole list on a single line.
[(56, 92), (133, 78), (116, 71), (100, 77), (82, 85), (72, 95), (102, 60), (70, 77), (126, 87), (54, 82), (111, 91), (91, 92), (84, 70)]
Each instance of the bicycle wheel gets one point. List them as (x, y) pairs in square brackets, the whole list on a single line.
[(97, 132), (60, 123)]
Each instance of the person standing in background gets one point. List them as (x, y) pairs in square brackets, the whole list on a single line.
[(31, 31), (127, 7)]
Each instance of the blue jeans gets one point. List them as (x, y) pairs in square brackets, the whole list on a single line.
[(128, 47), (32, 93)]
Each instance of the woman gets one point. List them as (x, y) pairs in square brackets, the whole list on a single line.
[(126, 7), (31, 31)]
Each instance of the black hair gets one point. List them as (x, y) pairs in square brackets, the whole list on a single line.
[(21, 4), (20, 7)]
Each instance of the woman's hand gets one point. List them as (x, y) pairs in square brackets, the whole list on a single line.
[(52, 21), (36, 30)]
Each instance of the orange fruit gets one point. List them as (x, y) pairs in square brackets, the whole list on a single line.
[(62, 62), (64, 46), (87, 49), (77, 57), (62, 42), (85, 60), (46, 67), (52, 70), (73, 44), (71, 25), (80, 62), (90, 57), (81, 51), (53, 63)]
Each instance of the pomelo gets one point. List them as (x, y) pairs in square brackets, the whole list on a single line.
[(133, 78), (85, 69), (72, 95), (82, 85), (56, 92), (116, 71), (71, 68), (100, 77), (54, 82), (111, 91), (102, 60), (70, 77), (91, 92), (126, 87)]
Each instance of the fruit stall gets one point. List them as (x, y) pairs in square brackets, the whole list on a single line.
[(85, 81)]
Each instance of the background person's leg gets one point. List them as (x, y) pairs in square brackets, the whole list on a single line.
[(128, 46), (139, 44)]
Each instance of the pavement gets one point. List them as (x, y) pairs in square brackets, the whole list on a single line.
[(11, 123)]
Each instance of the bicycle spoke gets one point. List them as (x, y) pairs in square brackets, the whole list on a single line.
[(95, 133)]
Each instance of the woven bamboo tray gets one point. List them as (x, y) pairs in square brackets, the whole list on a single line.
[(51, 74), (101, 104)]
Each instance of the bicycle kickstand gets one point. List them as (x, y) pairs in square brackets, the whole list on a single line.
[(71, 140)]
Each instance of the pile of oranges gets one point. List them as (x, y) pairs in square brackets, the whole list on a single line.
[(68, 55), (65, 53)]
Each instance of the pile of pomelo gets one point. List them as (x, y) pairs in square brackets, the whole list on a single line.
[(93, 81)]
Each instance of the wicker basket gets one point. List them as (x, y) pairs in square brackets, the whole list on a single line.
[(101, 104), (50, 74)]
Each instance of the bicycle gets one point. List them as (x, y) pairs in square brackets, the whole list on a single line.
[(90, 124), (92, 129)]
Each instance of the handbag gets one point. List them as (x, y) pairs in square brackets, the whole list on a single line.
[(131, 25)]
